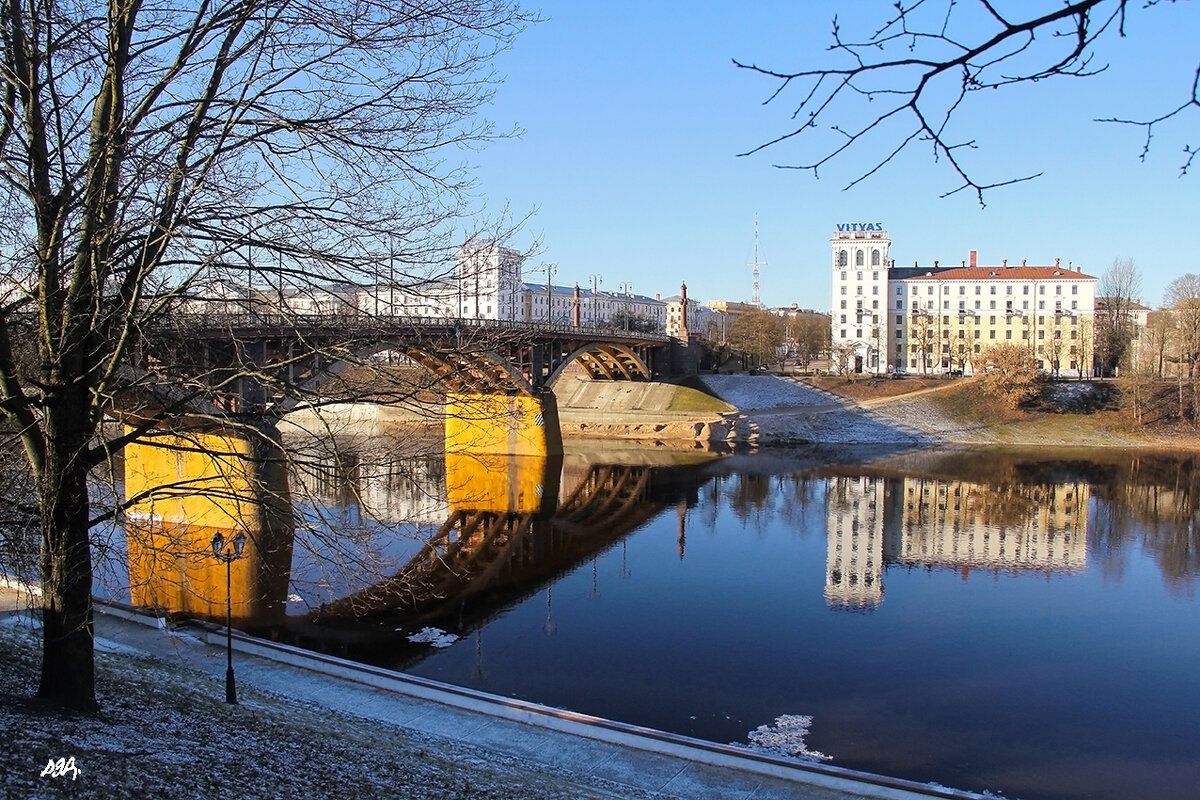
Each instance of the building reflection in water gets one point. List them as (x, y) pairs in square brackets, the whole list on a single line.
[(935, 522)]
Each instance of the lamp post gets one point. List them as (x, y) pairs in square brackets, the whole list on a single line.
[(229, 556), (626, 289), (550, 270), (596, 282)]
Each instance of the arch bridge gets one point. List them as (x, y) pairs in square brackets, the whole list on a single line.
[(497, 374)]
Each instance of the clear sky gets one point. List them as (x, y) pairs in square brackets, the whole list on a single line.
[(633, 115)]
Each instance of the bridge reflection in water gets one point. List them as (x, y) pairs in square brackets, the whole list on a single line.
[(509, 525)]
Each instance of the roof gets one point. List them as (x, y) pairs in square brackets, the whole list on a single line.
[(1024, 273)]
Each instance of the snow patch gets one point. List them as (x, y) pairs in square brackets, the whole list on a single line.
[(434, 636), (786, 738)]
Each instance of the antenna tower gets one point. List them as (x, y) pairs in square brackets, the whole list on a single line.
[(754, 298)]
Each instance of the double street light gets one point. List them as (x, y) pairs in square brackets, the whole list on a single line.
[(229, 555)]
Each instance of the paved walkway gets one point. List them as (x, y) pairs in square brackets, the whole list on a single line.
[(644, 760)]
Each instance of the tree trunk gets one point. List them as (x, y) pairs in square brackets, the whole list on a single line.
[(68, 667)]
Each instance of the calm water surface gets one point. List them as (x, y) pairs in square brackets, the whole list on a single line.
[(1024, 623)]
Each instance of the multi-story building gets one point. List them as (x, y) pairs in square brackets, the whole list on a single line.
[(937, 320)]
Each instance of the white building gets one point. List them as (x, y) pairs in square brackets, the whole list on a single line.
[(933, 320)]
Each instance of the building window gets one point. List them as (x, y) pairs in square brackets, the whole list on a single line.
[(1008, 290), (1041, 290), (1008, 334), (992, 333), (1041, 303), (1074, 289), (843, 289), (978, 290), (875, 275), (842, 334), (899, 319), (1024, 290), (875, 289), (930, 290), (843, 304), (991, 304), (1058, 288), (843, 320), (991, 289), (858, 259), (874, 258), (843, 259), (1074, 304)]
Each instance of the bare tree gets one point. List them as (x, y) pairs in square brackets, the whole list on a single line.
[(149, 148), (1183, 298), (1117, 294), (920, 66)]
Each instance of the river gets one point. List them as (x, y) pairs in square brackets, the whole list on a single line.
[(1021, 622)]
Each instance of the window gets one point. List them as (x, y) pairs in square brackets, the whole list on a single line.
[(843, 304), (1025, 304), (875, 275), (1041, 303), (1074, 289), (858, 290), (858, 258), (962, 290), (1041, 289), (843, 274), (992, 333), (1024, 290), (1074, 304), (875, 289), (899, 304), (843, 289), (1008, 334), (843, 259), (874, 304), (978, 289), (991, 304), (945, 304), (843, 320), (991, 320), (1058, 288), (858, 275), (977, 333), (842, 334), (899, 335), (976, 305), (899, 319), (991, 290), (858, 333), (874, 258), (1008, 290), (899, 290), (930, 290)]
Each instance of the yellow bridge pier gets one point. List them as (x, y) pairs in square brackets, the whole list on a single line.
[(515, 424), (187, 486)]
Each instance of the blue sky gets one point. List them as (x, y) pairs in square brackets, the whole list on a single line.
[(633, 115)]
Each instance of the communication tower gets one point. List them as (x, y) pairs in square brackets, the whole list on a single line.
[(754, 298)]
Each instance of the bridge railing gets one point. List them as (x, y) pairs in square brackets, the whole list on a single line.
[(241, 321)]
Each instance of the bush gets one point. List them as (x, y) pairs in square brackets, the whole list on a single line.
[(1010, 374)]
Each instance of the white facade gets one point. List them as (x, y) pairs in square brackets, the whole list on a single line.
[(936, 320)]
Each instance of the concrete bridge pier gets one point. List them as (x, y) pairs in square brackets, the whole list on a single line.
[(503, 424)]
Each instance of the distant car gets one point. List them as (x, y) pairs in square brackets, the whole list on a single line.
[(955, 373)]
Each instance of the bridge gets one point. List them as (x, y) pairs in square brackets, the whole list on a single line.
[(498, 375)]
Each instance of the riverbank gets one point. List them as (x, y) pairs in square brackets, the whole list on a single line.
[(760, 410), (306, 726)]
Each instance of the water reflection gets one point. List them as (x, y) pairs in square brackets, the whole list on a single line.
[(932, 522)]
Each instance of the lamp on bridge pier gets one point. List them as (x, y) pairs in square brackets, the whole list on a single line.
[(229, 555)]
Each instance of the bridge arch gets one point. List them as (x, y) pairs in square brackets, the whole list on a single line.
[(605, 361), (460, 371)]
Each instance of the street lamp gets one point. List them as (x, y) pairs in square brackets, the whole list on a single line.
[(596, 283), (229, 556)]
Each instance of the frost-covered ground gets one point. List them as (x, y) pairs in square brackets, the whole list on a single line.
[(785, 411), (165, 733)]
